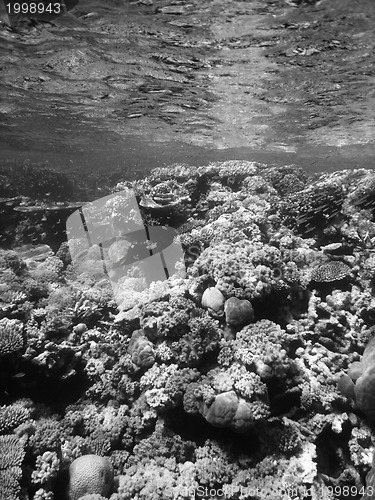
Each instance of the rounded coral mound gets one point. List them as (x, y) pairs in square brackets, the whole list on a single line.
[(238, 312), (90, 474)]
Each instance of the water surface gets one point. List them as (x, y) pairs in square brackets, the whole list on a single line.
[(115, 88)]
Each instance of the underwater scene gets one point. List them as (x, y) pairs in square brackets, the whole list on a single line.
[(187, 250)]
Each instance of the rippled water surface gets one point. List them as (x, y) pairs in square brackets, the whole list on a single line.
[(115, 87)]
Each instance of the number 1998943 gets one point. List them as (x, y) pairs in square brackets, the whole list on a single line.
[(30, 8)]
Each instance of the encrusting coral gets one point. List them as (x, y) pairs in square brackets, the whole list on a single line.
[(243, 373)]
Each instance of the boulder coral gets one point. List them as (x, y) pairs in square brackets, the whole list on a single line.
[(90, 474), (213, 300), (235, 398), (238, 312), (227, 410), (359, 383), (141, 350)]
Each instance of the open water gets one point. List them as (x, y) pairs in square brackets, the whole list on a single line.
[(113, 88)]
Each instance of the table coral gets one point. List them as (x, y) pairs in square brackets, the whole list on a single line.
[(330, 272)]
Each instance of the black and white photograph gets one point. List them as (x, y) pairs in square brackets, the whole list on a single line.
[(187, 249)]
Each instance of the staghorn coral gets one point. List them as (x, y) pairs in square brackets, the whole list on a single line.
[(214, 464), (166, 319), (199, 343)]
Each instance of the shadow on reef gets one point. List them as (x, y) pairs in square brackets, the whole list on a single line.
[(25, 380), (277, 308), (197, 429)]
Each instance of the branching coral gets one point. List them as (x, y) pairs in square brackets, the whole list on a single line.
[(264, 346), (11, 336), (234, 398), (11, 457), (46, 468), (157, 482), (12, 416), (165, 385)]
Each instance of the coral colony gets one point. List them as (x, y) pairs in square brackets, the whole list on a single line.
[(203, 333)]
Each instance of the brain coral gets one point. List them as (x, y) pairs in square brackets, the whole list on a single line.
[(90, 474)]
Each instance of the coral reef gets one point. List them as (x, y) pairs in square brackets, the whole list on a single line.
[(252, 374)]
